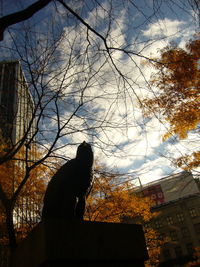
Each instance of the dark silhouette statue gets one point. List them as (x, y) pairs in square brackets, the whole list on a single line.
[(65, 197)]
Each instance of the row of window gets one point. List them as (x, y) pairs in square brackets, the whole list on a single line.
[(24, 109), (182, 233), (177, 251), (171, 220)]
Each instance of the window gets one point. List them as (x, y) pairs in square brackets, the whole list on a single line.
[(158, 224), (178, 251), (193, 212), (185, 232), (197, 228), (169, 220), (162, 236), (173, 235), (189, 248), (166, 254), (146, 225), (180, 217)]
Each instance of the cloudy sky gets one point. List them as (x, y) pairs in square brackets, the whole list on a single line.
[(122, 137)]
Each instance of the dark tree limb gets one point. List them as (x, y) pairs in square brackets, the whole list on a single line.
[(25, 14)]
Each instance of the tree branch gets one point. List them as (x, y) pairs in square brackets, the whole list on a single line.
[(16, 17), (83, 21)]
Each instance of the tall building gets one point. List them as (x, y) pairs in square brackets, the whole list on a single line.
[(16, 103), (16, 122), (177, 201)]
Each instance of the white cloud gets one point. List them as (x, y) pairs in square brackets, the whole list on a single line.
[(130, 142), (138, 148), (125, 139), (136, 144), (164, 28)]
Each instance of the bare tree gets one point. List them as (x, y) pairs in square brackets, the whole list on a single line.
[(83, 86)]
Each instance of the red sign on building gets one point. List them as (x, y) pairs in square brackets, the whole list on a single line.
[(155, 193)]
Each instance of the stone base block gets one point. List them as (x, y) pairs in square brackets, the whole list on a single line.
[(59, 243)]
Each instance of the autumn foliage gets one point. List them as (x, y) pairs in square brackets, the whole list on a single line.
[(113, 200), (26, 208), (178, 99)]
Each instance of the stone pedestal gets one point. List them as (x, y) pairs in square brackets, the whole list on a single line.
[(60, 243)]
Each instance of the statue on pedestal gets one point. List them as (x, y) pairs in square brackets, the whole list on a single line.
[(66, 193)]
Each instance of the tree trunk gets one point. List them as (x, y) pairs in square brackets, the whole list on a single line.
[(10, 227)]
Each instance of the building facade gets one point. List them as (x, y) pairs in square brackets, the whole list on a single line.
[(17, 124), (16, 103), (177, 201)]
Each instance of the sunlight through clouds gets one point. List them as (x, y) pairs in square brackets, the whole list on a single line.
[(102, 78), (138, 142)]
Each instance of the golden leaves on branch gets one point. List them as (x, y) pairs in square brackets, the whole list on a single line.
[(189, 162), (178, 97), (29, 200), (12, 173), (178, 81)]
